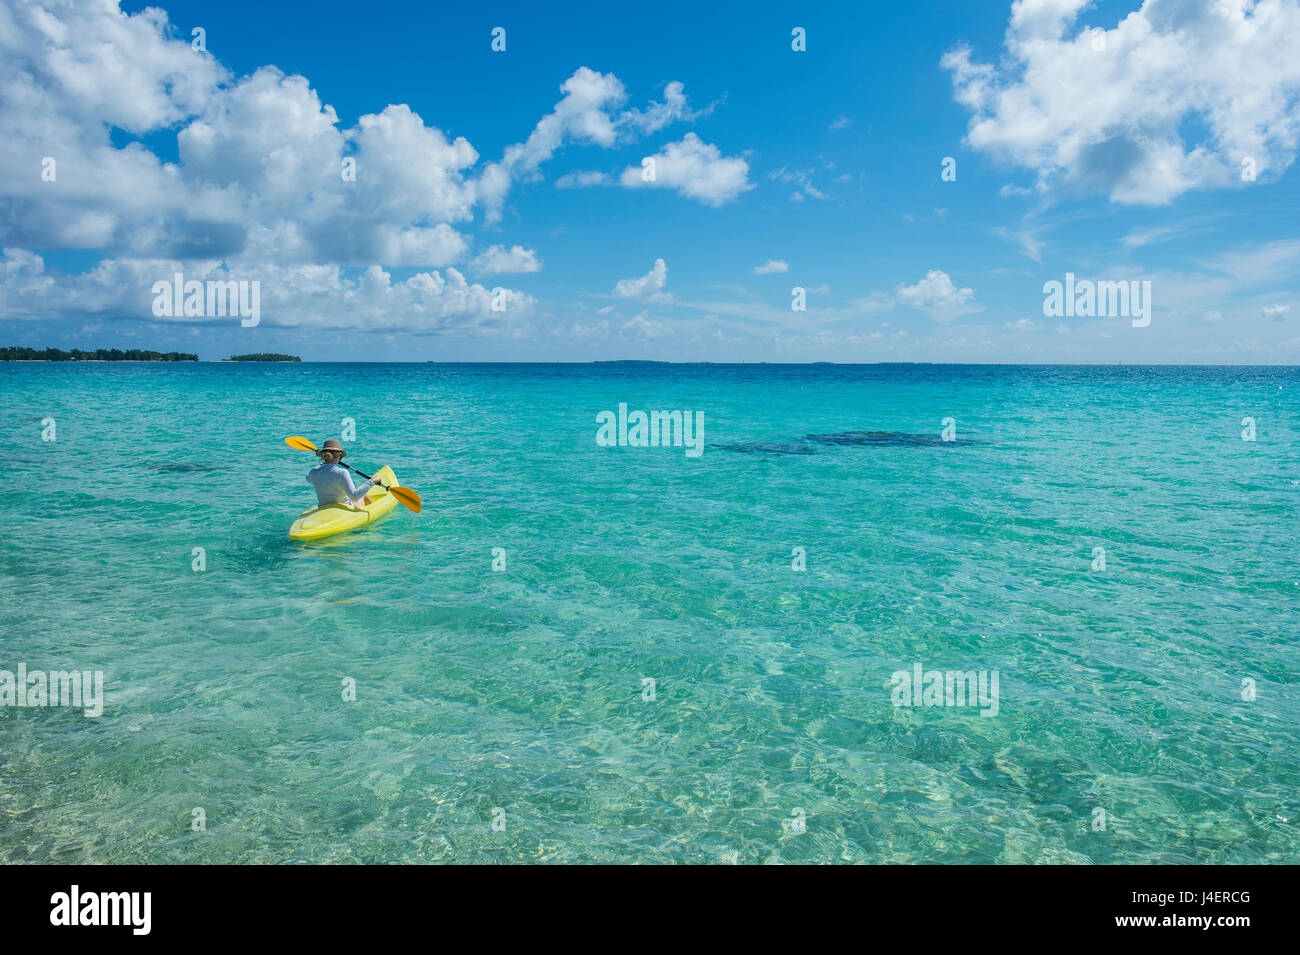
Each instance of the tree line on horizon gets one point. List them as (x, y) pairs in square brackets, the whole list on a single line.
[(18, 353)]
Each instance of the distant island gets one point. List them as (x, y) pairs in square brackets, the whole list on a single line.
[(13, 353), (264, 356)]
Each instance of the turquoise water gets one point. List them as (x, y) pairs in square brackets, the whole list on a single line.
[(522, 690)]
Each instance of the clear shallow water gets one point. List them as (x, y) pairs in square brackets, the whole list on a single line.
[(523, 689)]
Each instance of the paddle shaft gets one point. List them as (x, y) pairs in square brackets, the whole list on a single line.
[(409, 499), (361, 474)]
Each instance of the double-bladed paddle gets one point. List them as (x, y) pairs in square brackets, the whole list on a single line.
[(404, 495)]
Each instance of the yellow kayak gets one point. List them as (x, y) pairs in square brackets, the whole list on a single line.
[(330, 519)]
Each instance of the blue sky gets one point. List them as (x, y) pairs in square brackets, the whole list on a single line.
[(1115, 155)]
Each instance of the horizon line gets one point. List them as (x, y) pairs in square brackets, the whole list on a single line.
[(646, 361)]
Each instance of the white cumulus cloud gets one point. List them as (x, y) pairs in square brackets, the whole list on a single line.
[(647, 285), (1172, 98), (1022, 325), (640, 328), (318, 296), (936, 295), (498, 260), (582, 179), (696, 169), (674, 108), (266, 183), (586, 113)]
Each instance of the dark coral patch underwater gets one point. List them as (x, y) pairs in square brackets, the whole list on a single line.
[(883, 439)]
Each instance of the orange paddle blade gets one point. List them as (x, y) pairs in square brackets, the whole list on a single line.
[(302, 444), (406, 497)]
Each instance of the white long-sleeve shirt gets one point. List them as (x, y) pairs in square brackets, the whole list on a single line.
[(333, 485)]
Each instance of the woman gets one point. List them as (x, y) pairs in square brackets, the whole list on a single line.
[(332, 482)]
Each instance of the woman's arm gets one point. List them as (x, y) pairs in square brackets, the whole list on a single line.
[(358, 492)]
